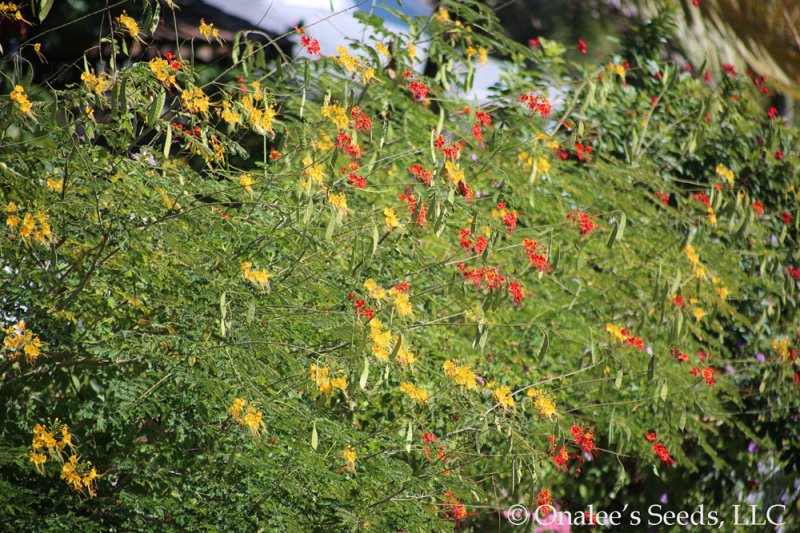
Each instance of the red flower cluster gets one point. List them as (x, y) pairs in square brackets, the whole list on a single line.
[(583, 151), (585, 221), (450, 151), (679, 356), (483, 120), (772, 112), (545, 502), (356, 180), (517, 291), (345, 142), (362, 121), (759, 81), (427, 440), (509, 217), (534, 43), (409, 199), (707, 374), (660, 450), (663, 196), (786, 217), (311, 45), (794, 272), (581, 47), (538, 103), (584, 439), (703, 197), (174, 63), (489, 277), (678, 301), (537, 259), (361, 307), (466, 242), (453, 509), (759, 208), (421, 174), (421, 221), (401, 287), (418, 88)]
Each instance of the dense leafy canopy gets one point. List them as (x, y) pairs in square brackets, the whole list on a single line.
[(324, 293)]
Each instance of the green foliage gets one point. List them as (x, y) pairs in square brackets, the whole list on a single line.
[(147, 295)]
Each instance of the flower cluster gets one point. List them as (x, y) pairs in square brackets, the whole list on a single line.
[(624, 336), (660, 450), (542, 402), (52, 442), (461, 374), (246, 415), (325, 383), (21, 99), (259, 278), (20, 340), (417, 394), (34, 226)]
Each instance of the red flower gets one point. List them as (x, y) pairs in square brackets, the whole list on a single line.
[(759, 207), (483, 117), (421, 221), (663, 196), (464, 238), (794, 272), (478, 134), (534, 43), (363, 122), (453, 509), (730, 70), (311, 45), (779, 155), (696, 3), (663, 454), (409, 199), (703, 197), (707, 77), (562, 154), (584, 439), (538, 260), (421, 174), (581, 46), (538, 103), (517, 291), (772, 112), (480, 245), (544, 500), (510, 220), (786, 217), (585, 223), (419, 90), (356, 180), (679, 356), (706, 374), (678, 300), (402, 287), (651, 436), (560, 459), (582, 152), (636, 342)]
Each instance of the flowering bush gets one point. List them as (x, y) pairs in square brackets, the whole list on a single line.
[(315, 292)]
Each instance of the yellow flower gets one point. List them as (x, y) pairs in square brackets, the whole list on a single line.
[(381, 48), (412, 50), (722, 292), (390, 219), (615, 332), (97, 84), (247, 181), (454, 174), (320, 375), (337, 115), (344, 58), (374, 290), (415, 393), (461, 374), (195, 100), (725, 173), (228, 115), (208, 30), (54, 185), (442, 15), (483, 55), (503, 396), (402, 304), (545, 405), (338, 201), (161, 70), (38, 459), (350, 459), (698, 314), (691, 254), (259, 278), (252, 419), (237, 408), (130, 25), (313, 171), (19, 97), (367, 75)]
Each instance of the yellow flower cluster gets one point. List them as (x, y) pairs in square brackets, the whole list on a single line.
[(321, 377), (229, 115), (260, 119), (247, 181), (481, 52), (162, 71), (349, 456), (461, 374), (725, 173), (615, 332), (352, 65), (694, 259), (390, 219), (402, 302), (339, 202), (11, 10), (246, 415), (454, 174), (415, 393), (79, 475), (97, 84), (20, 340), (129, 24), (313, 171), (259, 278), (336, 114), (54, 185), (19, 97), (209, 31), (195, 100), (383, 343), (543, 403), (32, 225), (781, 347), (502, 395)]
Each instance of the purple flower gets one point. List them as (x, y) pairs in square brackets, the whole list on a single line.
[(729, 369), (664, 498), (752, 447), (760, 357)]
